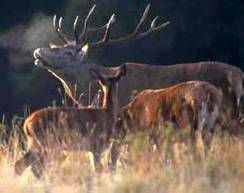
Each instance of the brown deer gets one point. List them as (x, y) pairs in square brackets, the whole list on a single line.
[(51, 130), (60, 59), (194, 104), (69, 63)]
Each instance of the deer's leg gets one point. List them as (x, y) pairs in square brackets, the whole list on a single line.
[(152, 145), (240, 106), (96, 150), (37, 167), (92, 162), (97, 160), (115, 150), (118, 136), (235, 107), (204, 136), (194, 134), (208, 135), (235, 88), (28, 159), (207, 139), (155, 142)]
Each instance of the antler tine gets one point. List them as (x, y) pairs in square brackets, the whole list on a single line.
[(56, 28), (75, 29), (110, 22), (60, 22), (136, 31), (87, 29), (160, 27), (136, 34), (90, 29), (153, 28), (106, 34), (59, 30), (96, 29), (143, 18), (54, 21), (153, 23), (100, 29), (83, 34)]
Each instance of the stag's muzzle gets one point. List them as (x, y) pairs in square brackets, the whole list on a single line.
[(39, 60)]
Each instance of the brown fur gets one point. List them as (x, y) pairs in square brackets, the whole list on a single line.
[(225, 77), (139, 77), (194, 103), (53, 129), (68, 63)]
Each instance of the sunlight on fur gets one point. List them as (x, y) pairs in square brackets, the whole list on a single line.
[(141, 168)]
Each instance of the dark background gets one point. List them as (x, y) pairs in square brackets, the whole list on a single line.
[(200, 30)]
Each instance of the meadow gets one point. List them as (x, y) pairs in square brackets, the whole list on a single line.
[(177, 169)]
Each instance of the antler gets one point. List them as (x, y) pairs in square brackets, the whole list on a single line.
[(75, 29), (80, 39), (153, 27), (83, 34), (106, 34), (136, 33), (86, 30), (59, 29)]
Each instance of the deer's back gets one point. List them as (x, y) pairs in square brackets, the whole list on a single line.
[(141, 76), (151, 106), (64, 125)]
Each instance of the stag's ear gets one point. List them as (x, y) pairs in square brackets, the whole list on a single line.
[(84, 49)]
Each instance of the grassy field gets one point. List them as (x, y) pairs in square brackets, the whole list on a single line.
[(140, 169)]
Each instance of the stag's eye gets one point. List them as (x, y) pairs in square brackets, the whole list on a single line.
[(69, 53), (55, 49)]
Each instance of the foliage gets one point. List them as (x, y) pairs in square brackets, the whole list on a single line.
[(140, 169)]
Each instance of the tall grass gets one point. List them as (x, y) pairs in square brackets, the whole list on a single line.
[(140, 168)]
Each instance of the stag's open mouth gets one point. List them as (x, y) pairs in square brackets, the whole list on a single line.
[(39, 61)]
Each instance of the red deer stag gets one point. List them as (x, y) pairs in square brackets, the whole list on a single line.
[(60, 59), (69, 63), (51, 130), (193, 104)]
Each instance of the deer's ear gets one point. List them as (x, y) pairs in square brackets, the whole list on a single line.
[(84, 52), (84, 49)]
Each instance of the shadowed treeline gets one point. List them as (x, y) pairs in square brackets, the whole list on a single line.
[(200, 30)]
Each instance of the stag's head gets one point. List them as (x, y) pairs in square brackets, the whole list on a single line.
[(75, 52)]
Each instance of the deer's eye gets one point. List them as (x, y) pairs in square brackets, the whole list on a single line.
[(55, 49), (69, 53)]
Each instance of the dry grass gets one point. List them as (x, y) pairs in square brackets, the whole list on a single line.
[(140, 169)]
